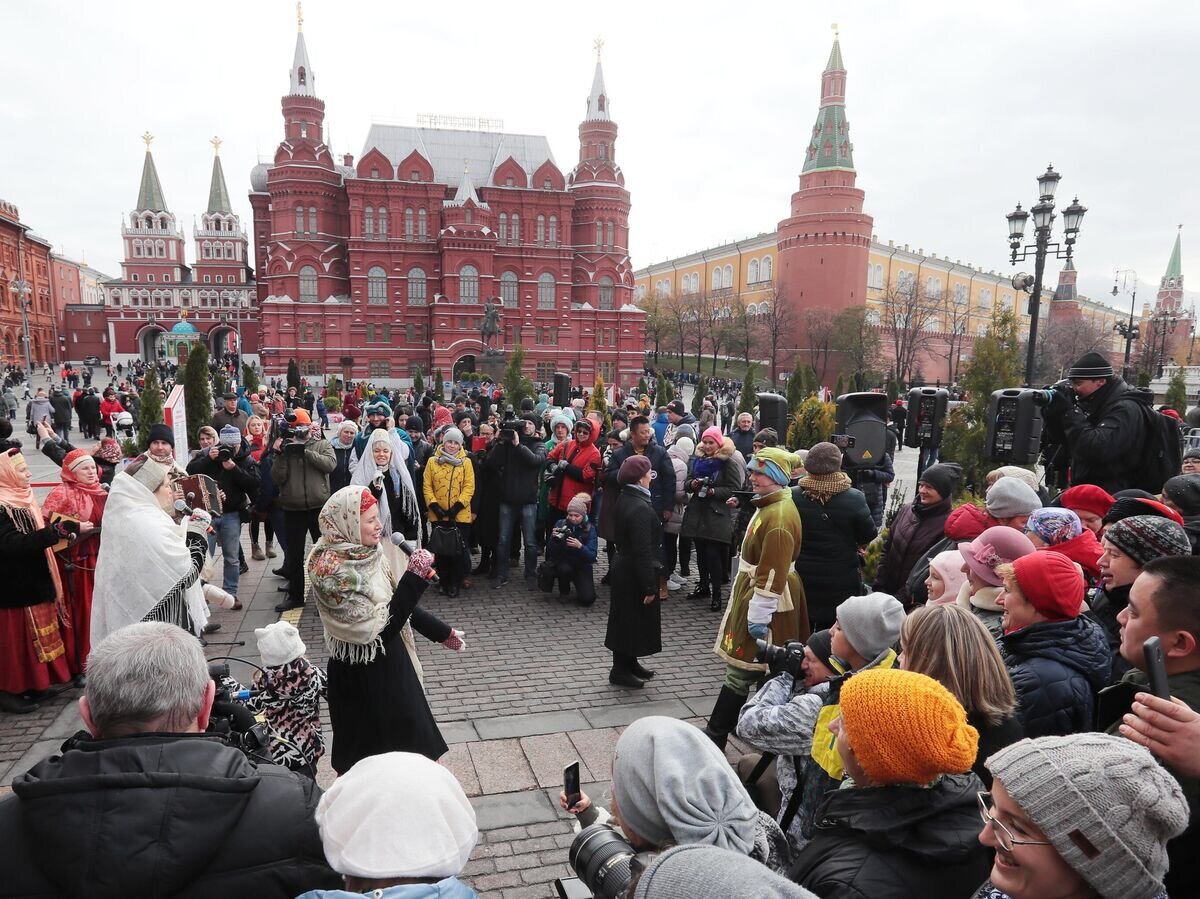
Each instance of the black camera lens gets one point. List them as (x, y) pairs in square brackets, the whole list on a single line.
[(603, 859)]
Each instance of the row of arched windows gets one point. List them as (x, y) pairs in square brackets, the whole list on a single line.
[(312, 220), (161, 222), (150, 248), (210, 250), (375, 223), (759, 271), (606, 235)]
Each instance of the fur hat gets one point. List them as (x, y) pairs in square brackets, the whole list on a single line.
[(279, 643)]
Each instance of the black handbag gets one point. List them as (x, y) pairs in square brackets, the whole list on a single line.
[(444, 540)]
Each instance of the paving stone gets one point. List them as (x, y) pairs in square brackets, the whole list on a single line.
[(66, 724), (500, 766), (458, 760), (458, 732), (595, 748), (496, 881), (610, 716), (701, 706), (528, 725), (548, 755), (509, 810)]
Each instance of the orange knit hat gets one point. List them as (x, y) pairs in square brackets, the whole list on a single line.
[(905, 727)]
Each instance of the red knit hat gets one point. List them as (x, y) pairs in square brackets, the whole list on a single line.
[(1052, 584), (1087, 498), (74, 457)]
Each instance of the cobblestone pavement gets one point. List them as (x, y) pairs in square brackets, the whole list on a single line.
[(529, 695)]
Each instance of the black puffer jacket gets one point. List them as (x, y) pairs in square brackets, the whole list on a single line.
[(1106, 434), (157, 815), (1056, 669), (828, 562), (896, 842)]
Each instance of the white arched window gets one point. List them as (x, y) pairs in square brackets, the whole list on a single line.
[(606, 292), (599, 234), (546, 291), (872, 317), (752, 269), (312, 219), (308, 284), (160, 248), (553, 236), (716, 279), (377, 286), (612, 236), (933, 288), (695, 282), (508, 289), (933, 325), (766, 268), (468, 284), (137, 248), (369, 222), (383, 222), (422, 224), (727, 276), (541, 230), (503, 236), (416, 287), (515, 235), (299, 219), (228, 250), (408, 223), (985, 298)]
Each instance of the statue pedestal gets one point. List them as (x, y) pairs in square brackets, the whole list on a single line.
[(492, 365)]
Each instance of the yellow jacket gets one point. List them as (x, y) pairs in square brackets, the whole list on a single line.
[(447, 485)]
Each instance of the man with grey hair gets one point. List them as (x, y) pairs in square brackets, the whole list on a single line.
[(146, 803)]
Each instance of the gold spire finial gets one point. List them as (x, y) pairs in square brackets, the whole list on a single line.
[(149, 139), (835, 30), (299, 16), (599, 45), (466, 166), (216, 144)]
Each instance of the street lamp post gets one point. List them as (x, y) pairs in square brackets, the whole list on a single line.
[(1129, 330), (1164, 322), (21, 290), (1043, 222)]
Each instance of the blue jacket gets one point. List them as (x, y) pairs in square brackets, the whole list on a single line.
[(660, 424), (558, 553), (450, 888)]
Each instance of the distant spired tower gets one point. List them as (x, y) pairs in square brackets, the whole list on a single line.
[(153, 241), (824, 244)]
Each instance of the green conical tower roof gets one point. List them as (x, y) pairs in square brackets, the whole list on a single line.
[(218, 194), (830, 147), (150, 194), (835, 58), (1175, 266)]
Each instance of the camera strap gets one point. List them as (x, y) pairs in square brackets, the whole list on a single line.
[(789, 813)]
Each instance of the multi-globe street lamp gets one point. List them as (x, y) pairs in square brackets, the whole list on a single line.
[(1129, 330), (1162, 324), (21, 290), (1043, 222)]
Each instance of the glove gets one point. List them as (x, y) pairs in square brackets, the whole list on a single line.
[(455, 641), (456, 508), (437, 510), (757, 631), (200, 522), (420, 563)]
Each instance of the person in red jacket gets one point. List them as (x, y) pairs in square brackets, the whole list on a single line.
[(576, 467), (110, 408)]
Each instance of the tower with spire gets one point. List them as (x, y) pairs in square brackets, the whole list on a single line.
[(825, 243), (1170, 290), (153, 242), (600, 223), (220, 241)]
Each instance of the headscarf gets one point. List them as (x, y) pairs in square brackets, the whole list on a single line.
[(16, 496), (1054, 525), (336, 440), (441, 416), (74, 498), (109, 450), (401, 484)]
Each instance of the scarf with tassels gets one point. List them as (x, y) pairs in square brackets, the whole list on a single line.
[(823, 487)]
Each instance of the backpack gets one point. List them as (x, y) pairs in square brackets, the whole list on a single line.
[(1162, 456)]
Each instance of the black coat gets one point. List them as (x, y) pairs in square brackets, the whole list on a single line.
[(61, 404), (915, 529), (634, 628), (1056, 669), (662, 488), (872, 482), (993, 738), (158, 815), (341, 475), (379, 706), (828, 562), (1106, 434), (897, 842), (516, 469), (27, 580), (485, 503), (239, 483), (1104, 607)]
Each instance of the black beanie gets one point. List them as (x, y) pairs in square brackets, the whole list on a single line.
[(162, 432), (821, 643), (527, 404), (1184, 491), (1091, 365), (942, 477)]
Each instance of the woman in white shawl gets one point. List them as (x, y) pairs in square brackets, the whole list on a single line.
[(376, 700), (383, 471), (149, 566)]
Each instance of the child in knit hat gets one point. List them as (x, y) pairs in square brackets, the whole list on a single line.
[(570, 553), (905, 824), (1087, 815), (290, 699)]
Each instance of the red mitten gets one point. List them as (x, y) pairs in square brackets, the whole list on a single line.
[(421, 563)]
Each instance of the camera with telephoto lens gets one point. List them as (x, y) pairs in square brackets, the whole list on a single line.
[(605, 864), (787, 658), (231, 719), (1057, 397), (291, 431)]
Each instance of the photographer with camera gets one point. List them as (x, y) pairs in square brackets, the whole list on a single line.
[(225, 458), (1104, 423), (301, 472), (570, 553), (147, 804), (515, 461)]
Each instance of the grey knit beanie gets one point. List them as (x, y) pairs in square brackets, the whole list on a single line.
[(1107, 806), (673, 785), (823, 458), (871, 623), (1009, 497), (700, 872), (1147, 537)]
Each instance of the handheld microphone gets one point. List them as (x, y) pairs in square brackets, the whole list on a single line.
[(181, 506), (406, 545)]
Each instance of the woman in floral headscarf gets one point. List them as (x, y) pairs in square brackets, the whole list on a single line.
[(32, 654), (376, 699), (80, 497)]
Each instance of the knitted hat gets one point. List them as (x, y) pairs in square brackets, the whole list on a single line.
[(300, 417), (1052, 584), (1054, 525), (776, 463), (1147, 537), (452, 434), (580, 503), (633, 470), (1129, 506), (1192, 452), (414, 425), (673, 785), (767, 437), (279, 643), (379, 407), (995, 547), (821, 644), (871, 623), (162, 432), (942, 477), (948, 565), (905, 727), (823, 458), (397, 815), (677, 407), (1107, 806), (1010, 497), (1091, 365), (686, 446), (229, 436), (706, 872), (561, 419), (713, 433), (74, 457), (1087, 498), (1016, 471), (1184, 491), (685, 430)]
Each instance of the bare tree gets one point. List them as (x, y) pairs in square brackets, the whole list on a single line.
[(657, 321), (1064, 339), (674, 309), (857, 343), (742, 328), (956, 312), (718, 317), (819, 326), (777, 325), (909, 321)]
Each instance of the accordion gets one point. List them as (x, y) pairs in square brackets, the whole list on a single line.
[(200, 492)]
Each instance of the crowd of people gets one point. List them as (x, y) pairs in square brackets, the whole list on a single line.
[(971, 716)]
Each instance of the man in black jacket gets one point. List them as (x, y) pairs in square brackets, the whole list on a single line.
[(61, 404), (147, 804), (515, 460), (226, 459), (1105, 424)]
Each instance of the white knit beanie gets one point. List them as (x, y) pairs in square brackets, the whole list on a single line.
[(279, 643)]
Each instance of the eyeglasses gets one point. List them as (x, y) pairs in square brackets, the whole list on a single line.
[(1003, 835)]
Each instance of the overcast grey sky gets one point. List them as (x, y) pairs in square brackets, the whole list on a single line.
[(954, 109)]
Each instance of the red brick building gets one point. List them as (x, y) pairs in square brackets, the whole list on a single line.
[(25, 258), (380, 269)]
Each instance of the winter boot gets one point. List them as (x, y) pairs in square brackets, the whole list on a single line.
[(724, 716), (271, 554), (256, 552)]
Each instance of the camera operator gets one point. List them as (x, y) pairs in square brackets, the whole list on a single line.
[(146, 804), (515, 460), (226, 459), (301, 471), (571, 552), (1104, 423)]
